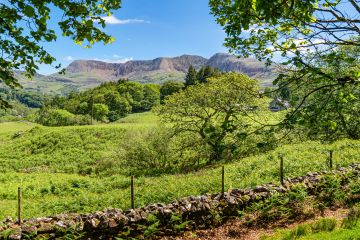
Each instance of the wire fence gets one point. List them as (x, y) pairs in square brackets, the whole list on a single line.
[(281, 173)]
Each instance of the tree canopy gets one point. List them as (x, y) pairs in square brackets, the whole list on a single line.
[(169, 88), (306, 37), (193, 77), (263, 28), (328, 114), (24, 26), (110, 101), (218, 111)]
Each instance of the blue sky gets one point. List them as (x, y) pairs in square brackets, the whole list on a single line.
[(146, 29)]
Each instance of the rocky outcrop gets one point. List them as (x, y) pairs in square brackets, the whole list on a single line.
[(228, 63), (167, 219), (90, 65), (179, 64)]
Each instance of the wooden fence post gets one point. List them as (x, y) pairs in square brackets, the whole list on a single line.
[(19, 205), (331, 159), (132, 193), (223, 181), (92, 109), (281, 170)]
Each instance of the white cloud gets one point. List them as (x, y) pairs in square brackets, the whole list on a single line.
[(116, 59), (312, 45), (319, 41), (124, 60), (114, 20), (68, 58), (252, 28)]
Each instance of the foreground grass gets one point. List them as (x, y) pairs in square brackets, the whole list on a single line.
[(323, 229), (66, 169), (340, 234)]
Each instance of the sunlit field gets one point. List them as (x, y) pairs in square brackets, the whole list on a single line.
[(77, 168)]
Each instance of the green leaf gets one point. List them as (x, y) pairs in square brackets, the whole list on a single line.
[(29, 11)]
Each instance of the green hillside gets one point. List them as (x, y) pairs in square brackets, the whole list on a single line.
[(63, 84), (49, 85), (68, 169)]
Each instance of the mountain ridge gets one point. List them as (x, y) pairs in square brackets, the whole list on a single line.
[(112, 71), (83, 74), (127, 69)]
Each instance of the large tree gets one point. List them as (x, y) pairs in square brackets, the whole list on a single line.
[(218, 112), (297, 33), (24, 26)]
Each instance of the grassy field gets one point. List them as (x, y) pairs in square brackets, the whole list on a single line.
[(324, 229), (67, 169)]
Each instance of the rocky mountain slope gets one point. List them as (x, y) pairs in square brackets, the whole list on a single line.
[(82, 74), (130, 68), (143, 70), (250, 66)]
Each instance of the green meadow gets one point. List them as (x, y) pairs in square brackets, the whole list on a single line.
[(78, 169)]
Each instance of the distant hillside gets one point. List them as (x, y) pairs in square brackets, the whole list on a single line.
[(53, 84), (83, 74)]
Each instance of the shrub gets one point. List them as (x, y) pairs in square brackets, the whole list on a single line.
[(353, 193), (297, 232), (323, 225), (60, 117), (100, 111), (157, 150), (329, 191), (288, 206), (148, 151)]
